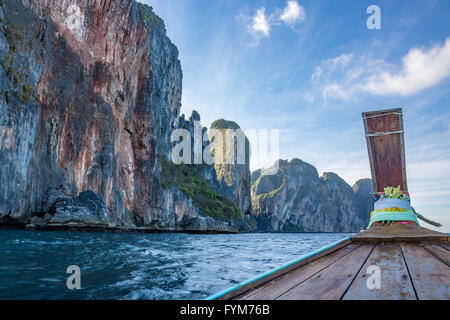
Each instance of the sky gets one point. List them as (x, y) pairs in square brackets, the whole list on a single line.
[(310, 68)]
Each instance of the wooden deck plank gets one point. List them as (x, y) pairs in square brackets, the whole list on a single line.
[(276, 287), (445, 245), (429, 275), (399, 232), (332, 282), (395, 281), (248, 287), (440, 253)]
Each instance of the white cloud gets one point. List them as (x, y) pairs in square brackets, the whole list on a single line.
[(343, 60), (330, 65), (334, 91), (420, 70), (317, 73), (261, 25), (293, 13), (347, 77), (354, 73), (308, 97)]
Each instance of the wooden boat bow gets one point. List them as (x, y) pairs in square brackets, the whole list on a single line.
[(412, 262)]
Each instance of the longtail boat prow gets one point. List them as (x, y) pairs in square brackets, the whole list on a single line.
[(395, 258)]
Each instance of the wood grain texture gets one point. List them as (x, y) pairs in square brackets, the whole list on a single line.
[(276, 287), (399, 232), (332, 282), (386, 151), (440, 253), (246, 288), (429, 275), (395, 281), (445, 245)]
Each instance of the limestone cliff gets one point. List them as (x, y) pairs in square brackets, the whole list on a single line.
[(227, 199), (363, 191), (234, 179), (90, 93), (296, 199)]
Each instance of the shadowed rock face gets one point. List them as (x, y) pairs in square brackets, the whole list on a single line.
[(296, 199), (88, 208), (363, 190), (89, 96)]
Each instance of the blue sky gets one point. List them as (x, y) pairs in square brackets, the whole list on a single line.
[(309, 68)]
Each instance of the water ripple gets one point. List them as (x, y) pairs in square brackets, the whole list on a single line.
[(141, 266)]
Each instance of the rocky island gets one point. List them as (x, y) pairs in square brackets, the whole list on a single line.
[(90, 94), (296, 199)]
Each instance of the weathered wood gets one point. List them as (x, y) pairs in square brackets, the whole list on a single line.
[(276, 287), (332, 282), (440, 253), (395, 281), (386, 152), (399, 232), (429, 275), (242, 290), (328, 274)]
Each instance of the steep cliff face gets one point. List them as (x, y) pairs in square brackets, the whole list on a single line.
[(219, 190), (363, 190), (89, 96), (296, 199), (234, 179)]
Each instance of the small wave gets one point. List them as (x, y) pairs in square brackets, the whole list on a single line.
[(41, 242), (143, 266), (50, 280)]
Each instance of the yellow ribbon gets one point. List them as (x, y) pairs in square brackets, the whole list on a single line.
[(395, 209)]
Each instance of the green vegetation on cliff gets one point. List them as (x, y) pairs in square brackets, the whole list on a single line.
[(268, 185), (19, 87), (272, 193), (223, 124), (194, 185), (149, 16)]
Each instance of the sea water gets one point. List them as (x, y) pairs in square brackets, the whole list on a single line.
[(33, 264)]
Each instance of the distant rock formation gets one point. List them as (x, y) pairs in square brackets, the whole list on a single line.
[(234, 179), (296, 199), (363, 190), (221, 191)]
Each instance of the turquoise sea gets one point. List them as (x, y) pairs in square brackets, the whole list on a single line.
[(141, 266)]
